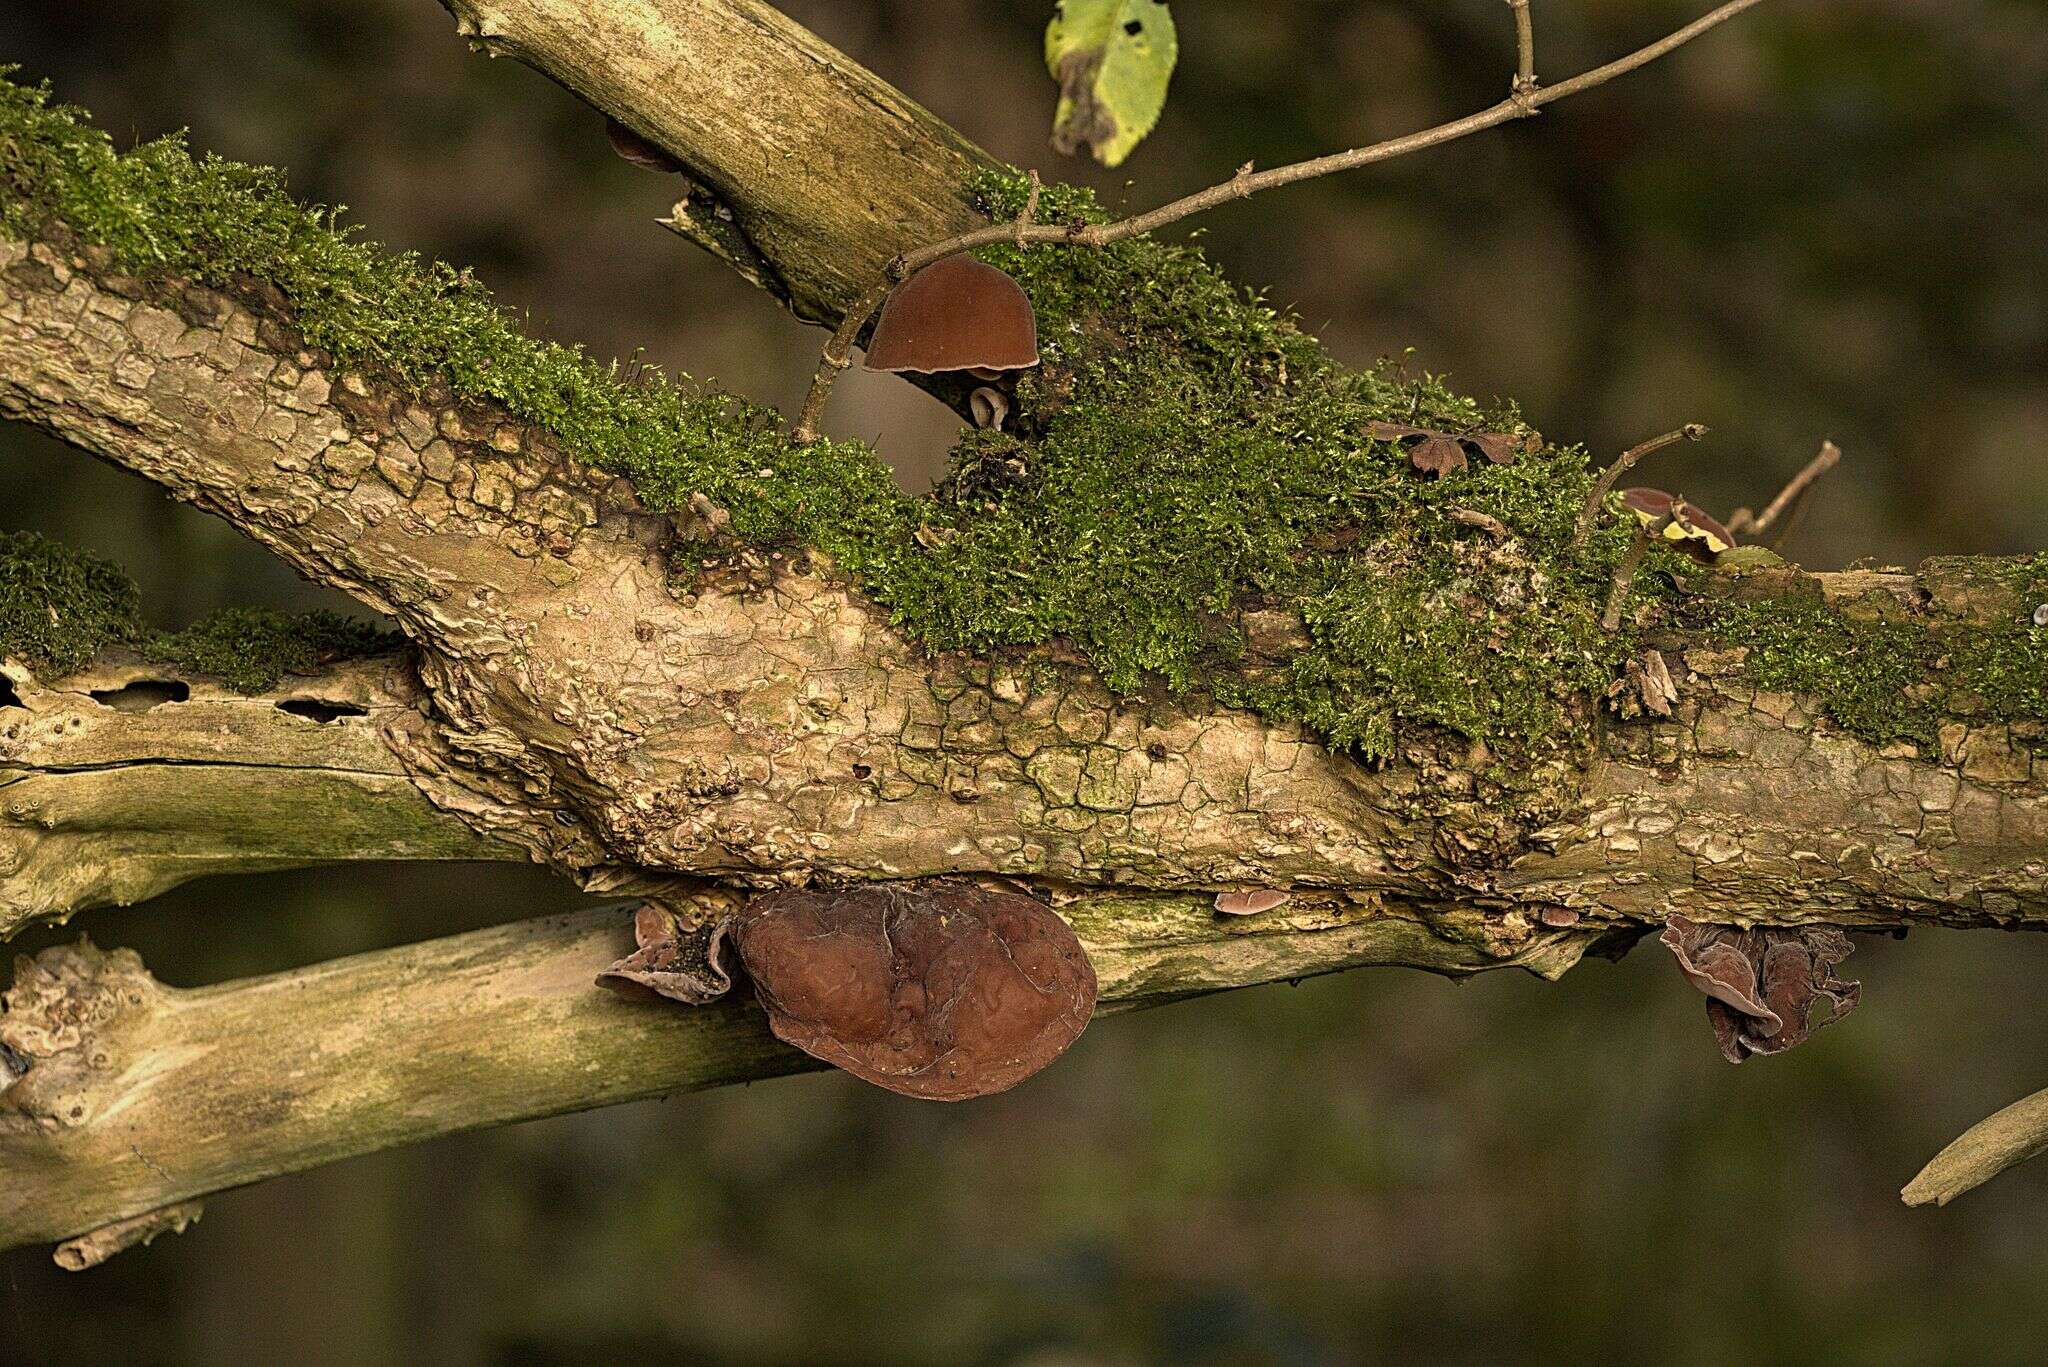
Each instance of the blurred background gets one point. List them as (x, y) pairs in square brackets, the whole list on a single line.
[(1824, 220)]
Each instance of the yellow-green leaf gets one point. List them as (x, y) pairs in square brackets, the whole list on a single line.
[(1112, 59)]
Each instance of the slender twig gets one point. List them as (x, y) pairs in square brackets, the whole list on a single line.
[(1692, 431), (1525, 50), (1744, 522), (1030, 214), (1519, 104), (1625, 572)]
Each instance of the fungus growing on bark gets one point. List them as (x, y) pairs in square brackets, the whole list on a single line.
[(633, 148), (681, 964), (942, 992), (1762, 984), (1694, 531), (1251, 903), (988, 407), (955, 314)]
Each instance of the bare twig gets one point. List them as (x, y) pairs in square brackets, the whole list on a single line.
[(1624, 462), (1525, 51), (1521, 103), (1625, 572), (1981, 1152), (1485, 522), (1030, 214), (1746, 523)]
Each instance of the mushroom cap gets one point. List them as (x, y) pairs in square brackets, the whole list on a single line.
[(955, 314), (638, 150), (944, 991), (1688, 523)]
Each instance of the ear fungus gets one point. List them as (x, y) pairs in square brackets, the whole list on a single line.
[(943, 991)]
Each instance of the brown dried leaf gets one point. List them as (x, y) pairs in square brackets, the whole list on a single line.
[(685, 965), (1437, 455), (1499, 447)]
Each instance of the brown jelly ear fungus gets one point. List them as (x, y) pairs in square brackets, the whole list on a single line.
[(943, 991)]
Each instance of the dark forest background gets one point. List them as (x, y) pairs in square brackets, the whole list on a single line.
[(1824, 220)]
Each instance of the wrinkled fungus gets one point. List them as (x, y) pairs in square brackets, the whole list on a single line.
[(1762, 984), (942, 992), (682, 964)]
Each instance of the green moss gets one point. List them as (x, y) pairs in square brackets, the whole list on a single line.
[(59, 607), (1885, 674), (1185, 454), (250, 649)]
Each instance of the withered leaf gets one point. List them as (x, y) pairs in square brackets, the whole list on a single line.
[(1763, 984), (1442, 453), (1437, 455), (1498, 447), (682, 964)]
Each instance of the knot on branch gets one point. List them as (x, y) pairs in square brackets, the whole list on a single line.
[(53, 1018)]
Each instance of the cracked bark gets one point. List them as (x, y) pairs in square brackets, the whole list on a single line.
[(770, 726), (125, 779)]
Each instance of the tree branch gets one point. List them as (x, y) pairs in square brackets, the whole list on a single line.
[(126, 779), (138, 1097), (1524, 100)]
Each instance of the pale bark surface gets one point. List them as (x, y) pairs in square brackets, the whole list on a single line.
[(568, 704)]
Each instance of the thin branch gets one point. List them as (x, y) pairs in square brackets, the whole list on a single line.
[(1746, 523), (1623, 463), (1981, 1152), (1625, 572), (1520, 104), (138, 1098), (1525, 50)]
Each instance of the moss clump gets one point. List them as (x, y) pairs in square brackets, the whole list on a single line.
[(250, 649), (59, 607), (1887, 675)]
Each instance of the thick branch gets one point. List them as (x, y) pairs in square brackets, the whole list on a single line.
[(138, 1097), (823, 170), (127, 779)]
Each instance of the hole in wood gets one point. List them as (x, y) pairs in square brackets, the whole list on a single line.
[(142, 695), (322, 712)]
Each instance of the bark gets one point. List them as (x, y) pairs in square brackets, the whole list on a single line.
[(138, 1097), (769, 725), (126, 779)]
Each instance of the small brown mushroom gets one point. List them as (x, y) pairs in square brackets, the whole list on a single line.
[(955, 314), (1698, 534), (639, 151), (685, 965), (1251, 903), (943, 991)]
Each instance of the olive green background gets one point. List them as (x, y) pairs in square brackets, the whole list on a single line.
[(1824, 220)]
